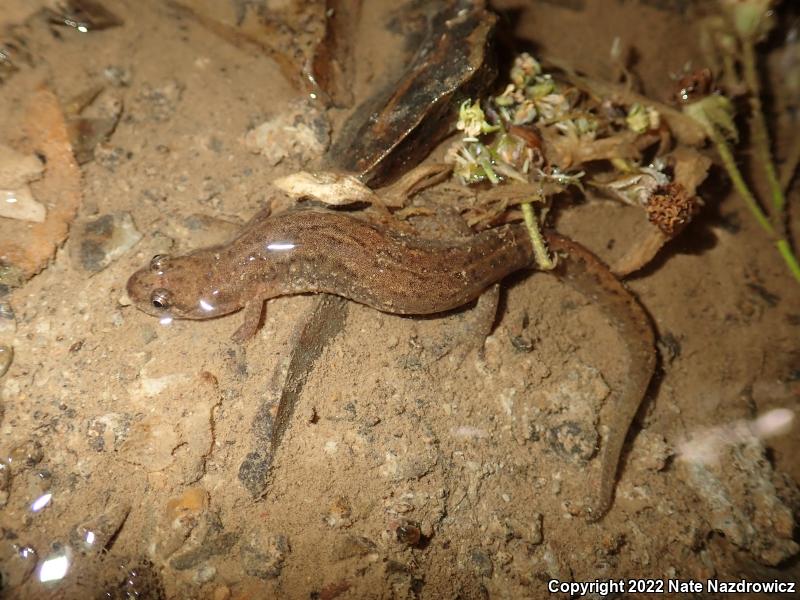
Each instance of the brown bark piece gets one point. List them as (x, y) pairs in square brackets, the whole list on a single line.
[(28, 247)]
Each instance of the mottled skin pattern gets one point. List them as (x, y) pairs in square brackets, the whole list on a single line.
[(312, 250), (303, 251)]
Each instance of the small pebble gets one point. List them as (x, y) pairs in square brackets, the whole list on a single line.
[(6, 356), (102, 240), (481, 562)]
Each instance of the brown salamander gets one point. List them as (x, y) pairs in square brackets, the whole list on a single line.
[(310, 250)]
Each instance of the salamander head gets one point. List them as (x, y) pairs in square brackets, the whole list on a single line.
[(181, 288)]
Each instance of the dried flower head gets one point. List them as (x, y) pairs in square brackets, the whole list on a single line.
[(671, 208)]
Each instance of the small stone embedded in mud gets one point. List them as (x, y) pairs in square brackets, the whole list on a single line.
[(301, 132), (265, 561), (6, 358), (481, 562), (572, 441), (94, 535), (102, 240)]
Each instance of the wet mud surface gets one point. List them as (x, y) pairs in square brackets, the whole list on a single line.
[(140, 457)]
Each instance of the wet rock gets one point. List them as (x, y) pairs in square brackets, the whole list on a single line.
[(17, 562), (20, 204), (99, 242), (96, 534), (300, 133), (6, 358), (265, 561), (738, 492)]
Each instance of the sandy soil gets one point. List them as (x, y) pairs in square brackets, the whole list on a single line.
[(405, 472)]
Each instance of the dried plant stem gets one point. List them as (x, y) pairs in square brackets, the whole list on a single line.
[(543, 260), (760, 131)]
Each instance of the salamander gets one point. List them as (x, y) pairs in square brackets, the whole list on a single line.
[(314, 250)]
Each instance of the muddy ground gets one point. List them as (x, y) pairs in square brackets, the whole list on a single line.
[(405, 471)]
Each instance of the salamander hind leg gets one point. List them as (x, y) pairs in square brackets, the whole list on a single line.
[(253, 317)]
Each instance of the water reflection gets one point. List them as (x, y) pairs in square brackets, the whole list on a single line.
[(56, 566), (705, 445), (41, 502)]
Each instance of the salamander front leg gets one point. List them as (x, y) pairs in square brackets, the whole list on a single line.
[(253, 317)]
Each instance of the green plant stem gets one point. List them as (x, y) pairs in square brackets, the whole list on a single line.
[(725, 153), (789, 258), (790, 164), (744, 192), (760, 131), (543, 259)]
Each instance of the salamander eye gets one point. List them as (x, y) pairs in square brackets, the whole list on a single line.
[(158, 262), (160, 298)]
